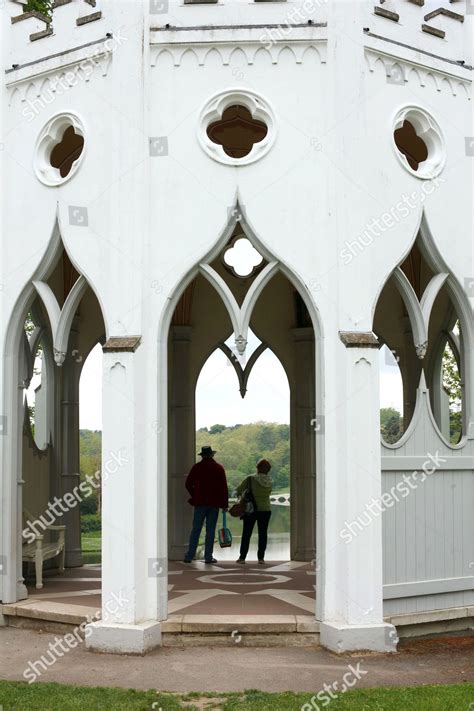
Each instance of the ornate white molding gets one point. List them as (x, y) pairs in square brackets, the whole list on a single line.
[(399, 70), (61, 318), (243, 373), (419, 312), (56, 75), (239, 316), (270, 41)]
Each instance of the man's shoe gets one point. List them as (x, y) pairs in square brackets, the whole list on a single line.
[(187, 561), (241, 561), (261, 562), (210, 562)]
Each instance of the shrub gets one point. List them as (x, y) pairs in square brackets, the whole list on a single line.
[(91, 522), (89, 505)]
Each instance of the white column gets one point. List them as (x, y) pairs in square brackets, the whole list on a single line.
[(70, 456), (352, 604), (12, 586), (181, 440), (133, 576), (303, 474)]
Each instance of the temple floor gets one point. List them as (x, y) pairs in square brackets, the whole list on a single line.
[(275, 588)]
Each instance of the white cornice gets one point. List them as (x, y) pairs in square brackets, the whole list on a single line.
[(445, 75), (250, 41)]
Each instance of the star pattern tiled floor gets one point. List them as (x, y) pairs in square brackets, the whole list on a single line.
[(222, 589)]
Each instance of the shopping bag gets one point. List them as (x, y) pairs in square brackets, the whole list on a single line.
[(224, 534)]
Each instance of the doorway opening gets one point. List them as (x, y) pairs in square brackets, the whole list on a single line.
[(245, 420)]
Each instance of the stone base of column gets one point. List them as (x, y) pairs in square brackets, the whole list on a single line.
[(3, 620), (351, 638), (73, 558), (177, 552), (123, 639), (304, 554), (22, 592)]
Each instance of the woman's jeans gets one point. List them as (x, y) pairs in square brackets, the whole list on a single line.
[(209, 514), (263, 519)]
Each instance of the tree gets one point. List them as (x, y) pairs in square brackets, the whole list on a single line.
[(217, 429), (391, 424), (452, 384), (45, 7)]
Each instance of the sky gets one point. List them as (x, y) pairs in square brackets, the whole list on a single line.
[(217, 394)]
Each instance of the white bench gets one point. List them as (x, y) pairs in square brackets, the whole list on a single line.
[(38, 551)]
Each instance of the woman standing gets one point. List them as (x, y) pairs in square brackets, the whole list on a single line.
[(259, 486)]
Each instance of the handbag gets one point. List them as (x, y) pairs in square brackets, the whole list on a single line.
[(224, 534), (247, 504)]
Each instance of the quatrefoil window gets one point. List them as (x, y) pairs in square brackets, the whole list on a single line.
[(67, 151), (236, 127), (419, 143), (411, 145), (242, 257), (59, 149), (237, 131)]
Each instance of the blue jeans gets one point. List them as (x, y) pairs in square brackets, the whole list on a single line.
[(201, 514)]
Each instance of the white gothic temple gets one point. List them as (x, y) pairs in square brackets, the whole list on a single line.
[(144, 140)]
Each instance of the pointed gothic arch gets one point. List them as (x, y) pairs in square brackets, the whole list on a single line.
[(18, 363), (419, 308), (239, 317)]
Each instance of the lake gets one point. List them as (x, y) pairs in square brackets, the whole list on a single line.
[(278, 547)]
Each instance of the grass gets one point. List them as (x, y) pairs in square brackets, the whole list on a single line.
[(91, 541), (56, 697)]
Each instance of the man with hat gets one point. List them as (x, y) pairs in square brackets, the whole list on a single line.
[(207, 484)]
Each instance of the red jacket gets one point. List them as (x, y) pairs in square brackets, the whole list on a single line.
[(207, 484)]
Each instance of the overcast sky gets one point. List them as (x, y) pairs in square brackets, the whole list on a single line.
[(217, 395)]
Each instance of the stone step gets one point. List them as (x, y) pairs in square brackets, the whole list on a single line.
[(178, 630)]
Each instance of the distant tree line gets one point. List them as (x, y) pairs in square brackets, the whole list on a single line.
[(239, 448)]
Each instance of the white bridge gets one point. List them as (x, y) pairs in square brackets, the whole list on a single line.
[(280, 499)]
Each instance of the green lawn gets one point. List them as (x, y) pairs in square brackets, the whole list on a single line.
[(91, 541), (56, 697)]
